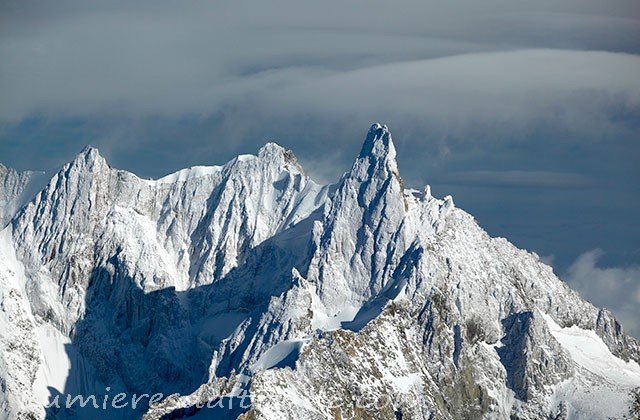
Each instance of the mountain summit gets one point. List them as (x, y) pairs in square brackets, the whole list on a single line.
[(361, 299)]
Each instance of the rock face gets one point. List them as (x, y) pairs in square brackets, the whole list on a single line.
[(16, 188), (363, 299)]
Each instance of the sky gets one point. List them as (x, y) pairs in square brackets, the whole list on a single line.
[(528, 113)]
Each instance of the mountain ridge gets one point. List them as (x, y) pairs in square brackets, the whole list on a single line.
[(251, 277)]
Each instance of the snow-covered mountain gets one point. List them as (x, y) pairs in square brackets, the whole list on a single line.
[(251, 283)]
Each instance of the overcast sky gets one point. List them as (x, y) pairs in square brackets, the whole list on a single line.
[(528, 113)]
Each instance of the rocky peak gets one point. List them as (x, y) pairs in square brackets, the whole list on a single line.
[(89, 158), (270, 150), (375, 173), (377, 158), (378, 143), (279, 158), (369, 205)]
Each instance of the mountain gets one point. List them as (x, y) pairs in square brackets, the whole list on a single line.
[(261, 294)]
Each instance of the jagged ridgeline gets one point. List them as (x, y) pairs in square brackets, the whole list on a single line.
[(253, 289)]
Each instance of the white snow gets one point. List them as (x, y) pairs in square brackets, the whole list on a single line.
[(243, 158), (58, 354), (11, 267), (588, 350), (60, 358), (284, 352), (325, 322), (404, 383), (189, 173), (54, 370), (19, 352), (602, 386), (220, 326), (142, 245)]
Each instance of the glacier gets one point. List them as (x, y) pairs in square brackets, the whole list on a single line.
[(359, 299)]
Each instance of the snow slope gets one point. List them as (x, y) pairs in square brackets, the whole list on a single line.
[(604, 388)]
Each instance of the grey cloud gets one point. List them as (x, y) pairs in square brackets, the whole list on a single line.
[(537, 179), (548, 259), (508, 89), (613, 287)]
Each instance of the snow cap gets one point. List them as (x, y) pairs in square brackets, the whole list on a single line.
[(89, 154), (271, 149), (378, 144), (90, 159)]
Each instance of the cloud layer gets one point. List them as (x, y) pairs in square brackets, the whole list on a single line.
[(425, 58), (615, 288)]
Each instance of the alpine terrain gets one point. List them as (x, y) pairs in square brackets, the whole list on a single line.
[(249, 291)]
